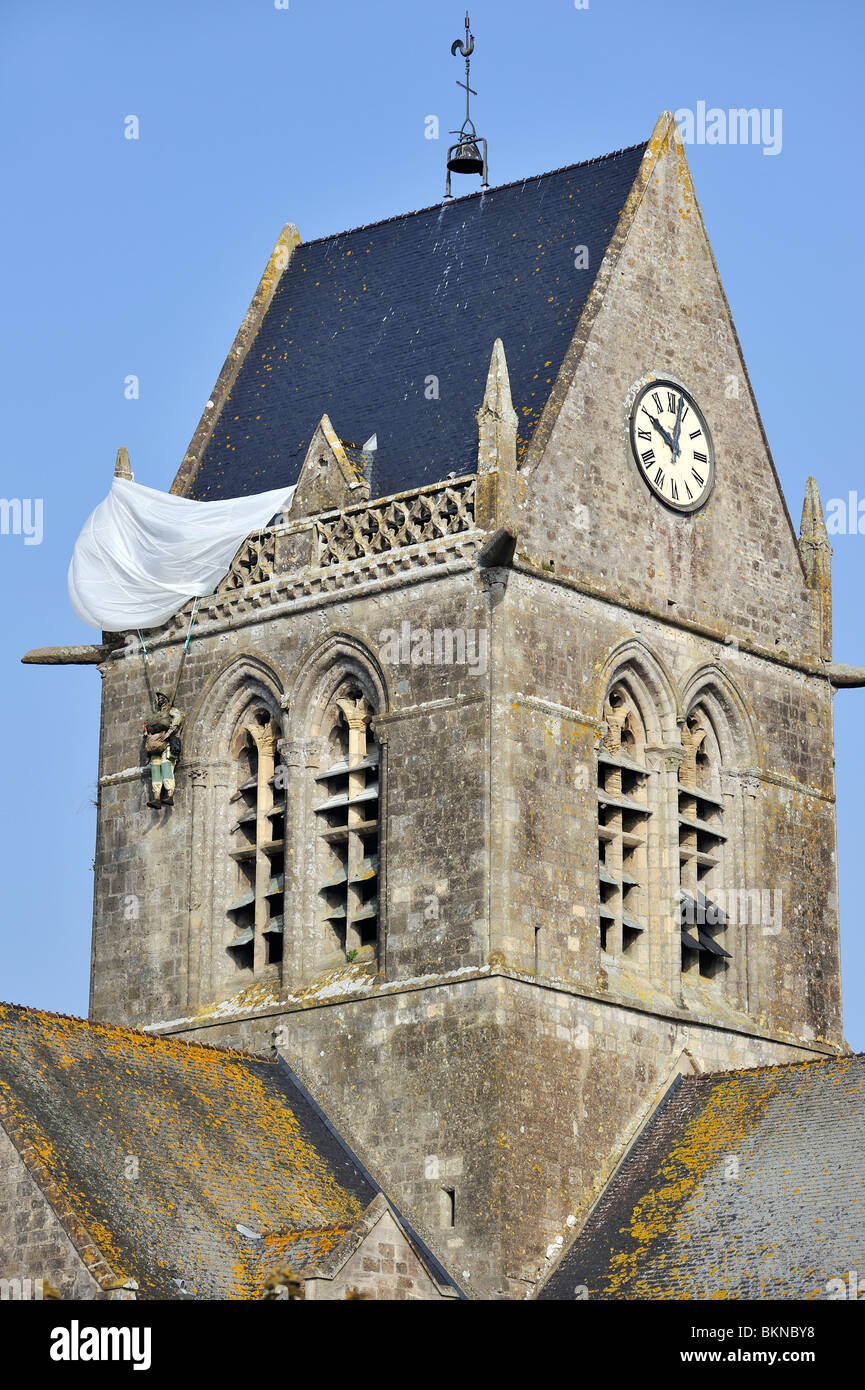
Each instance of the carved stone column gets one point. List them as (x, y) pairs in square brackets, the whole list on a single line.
[(265, 739), (197, 782), (207, 925), (381, 733), (669, 764), (300, 758), (357, 714)]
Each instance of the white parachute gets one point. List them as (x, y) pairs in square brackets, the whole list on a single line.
[(143, 554)]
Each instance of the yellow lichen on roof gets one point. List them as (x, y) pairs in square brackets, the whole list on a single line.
[(732, 1112), (211, 1131), (282, 1247)]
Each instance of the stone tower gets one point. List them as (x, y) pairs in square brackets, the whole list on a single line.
[(507, 786)]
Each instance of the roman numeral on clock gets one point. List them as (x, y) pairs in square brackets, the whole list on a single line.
[(657, 399), (659, 478), (671, 403), (701, 458), (648, 457), (645, 434), (695, 434), (675, 490), (696, 475)]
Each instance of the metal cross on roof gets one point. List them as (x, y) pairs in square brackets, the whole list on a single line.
[(466, 49)]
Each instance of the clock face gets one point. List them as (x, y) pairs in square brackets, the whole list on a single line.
[(672, 445)]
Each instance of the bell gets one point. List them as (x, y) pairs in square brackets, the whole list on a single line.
[(466, 159)]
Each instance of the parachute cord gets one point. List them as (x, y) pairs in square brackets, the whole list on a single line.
[(183, 653), (147, 681)]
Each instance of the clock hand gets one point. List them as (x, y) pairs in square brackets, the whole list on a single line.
[(677, 431), (663, 433)]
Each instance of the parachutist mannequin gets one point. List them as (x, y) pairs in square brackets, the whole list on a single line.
[(162, 745)]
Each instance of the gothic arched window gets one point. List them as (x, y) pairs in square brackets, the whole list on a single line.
[(701, 848), (347, 825), (257, 838), (623, 813)]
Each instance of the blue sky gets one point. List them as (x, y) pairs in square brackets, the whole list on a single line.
[(139, 257)]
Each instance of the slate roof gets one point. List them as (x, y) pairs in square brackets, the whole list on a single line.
[(218, 1138), (743, 1185), (361, 321)]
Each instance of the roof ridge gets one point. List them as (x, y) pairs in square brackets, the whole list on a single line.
[(468, 197), (777, 1066), (138, 1032)]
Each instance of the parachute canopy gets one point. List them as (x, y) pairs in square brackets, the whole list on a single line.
[(143, 554)]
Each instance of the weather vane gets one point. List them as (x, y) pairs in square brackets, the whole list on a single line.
[(465, 156)]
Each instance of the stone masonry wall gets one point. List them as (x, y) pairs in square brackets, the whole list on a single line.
[(734, 564), (384, 1267), (149, 933), (33, 1244), (780, 812), (514, 1097)]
